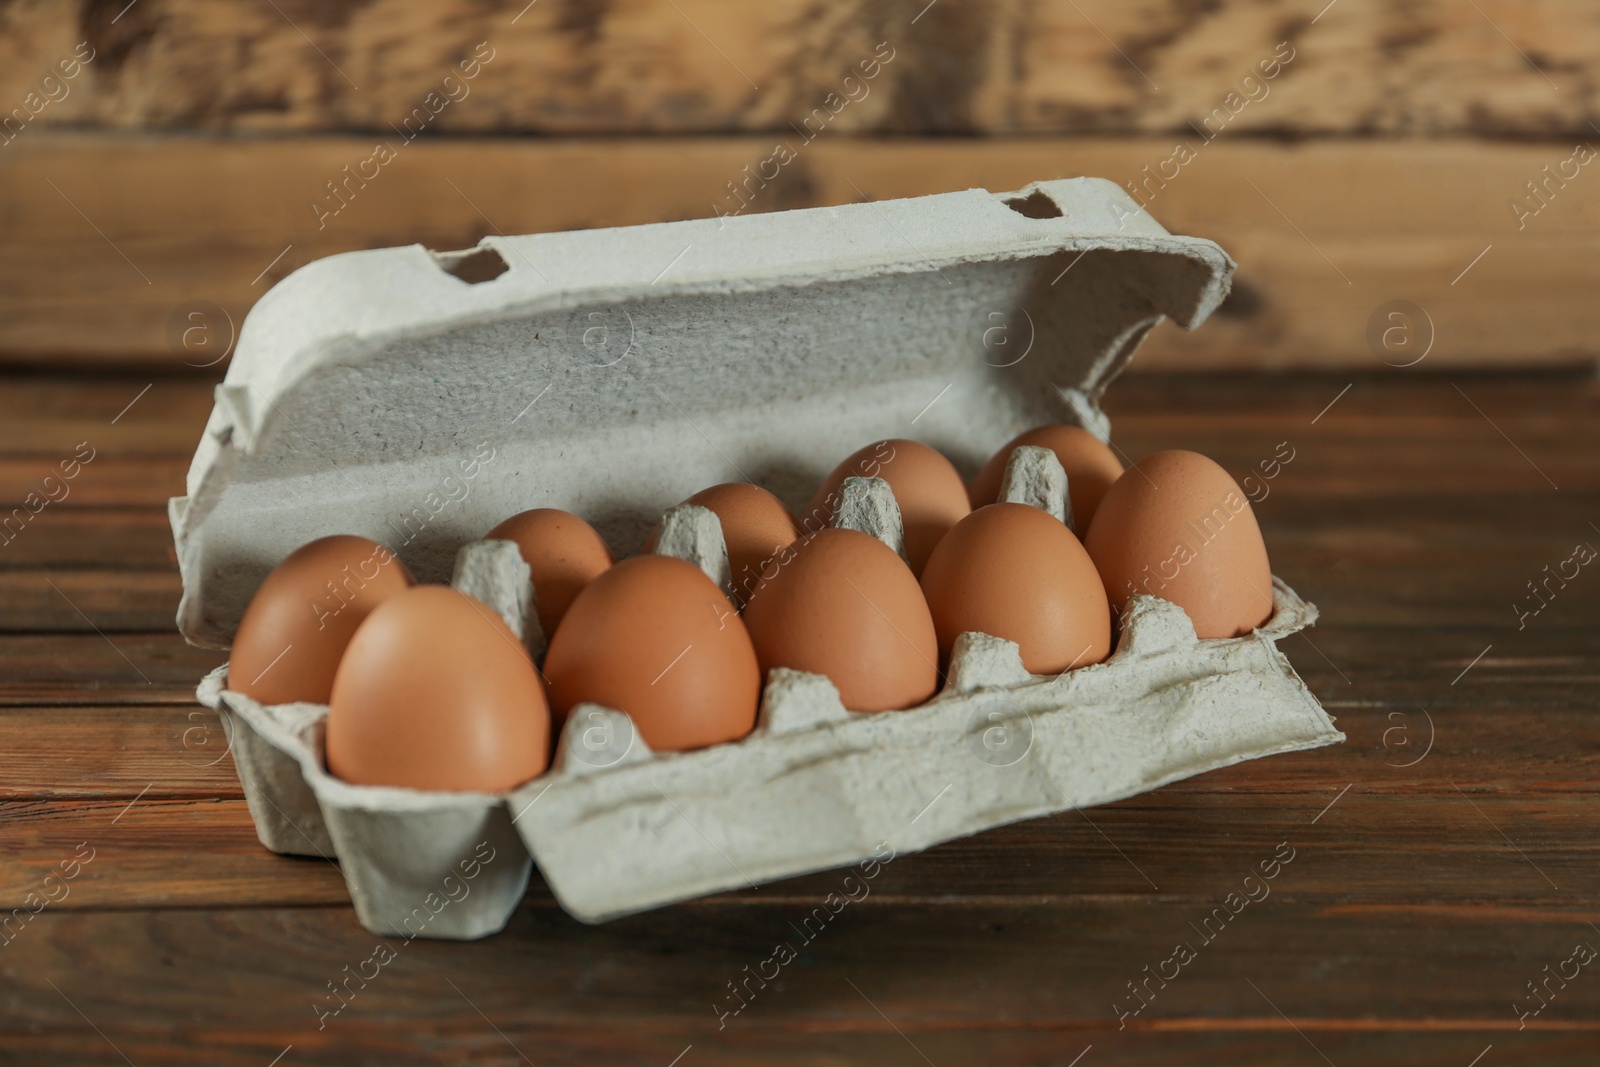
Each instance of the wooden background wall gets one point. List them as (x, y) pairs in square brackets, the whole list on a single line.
[(179, 168)]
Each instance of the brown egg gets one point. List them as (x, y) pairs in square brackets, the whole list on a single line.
[(288, 644), (563, 553), (1177, 526), (843, 604), (654, 637), (929, 490), (1090, 464), (436, 692), (755, 526), (1013, 571)]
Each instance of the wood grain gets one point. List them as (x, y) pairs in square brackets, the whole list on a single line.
[(1446, 853), (115, 752), (720, 66), (941, 976), (1189, 1043), (147, 784), (134, 538), (89, 600), (1424, 895), (1182, 844), (1325, 233), (109, 481), (135, 413), (92, 668)]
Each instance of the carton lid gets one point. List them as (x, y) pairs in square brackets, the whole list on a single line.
[(418, 398)]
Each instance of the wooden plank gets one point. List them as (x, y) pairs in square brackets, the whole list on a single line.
[(67, 443), (1259, 1042), (929, 972), (130, 413), (1376, 436), (115, 752), (109, 481), (1388, 666), (1401, 714), (1301, 524), (716, 66), (1326, 233), (1431, 843), (89, 668), (1423, 421), (116, 601), (145, 784), (1406, 734), (1486, 596), (129, 538), (1383, 395), (149, 852), (1520, 709)]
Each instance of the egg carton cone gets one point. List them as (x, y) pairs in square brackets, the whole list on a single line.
[(418, 398)]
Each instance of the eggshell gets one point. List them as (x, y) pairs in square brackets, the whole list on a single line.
[(928, 489), (656, 638), (1177, 526), (845, 605), (755, 526), (1016, 572), (289, 642), (1090, 464), (563, 553), (435, 692)]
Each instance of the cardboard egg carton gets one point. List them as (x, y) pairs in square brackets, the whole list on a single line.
[(613, 373)]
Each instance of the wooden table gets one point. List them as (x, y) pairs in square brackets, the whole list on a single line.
[(1444, 857)]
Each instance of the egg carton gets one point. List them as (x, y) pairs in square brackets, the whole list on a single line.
[(418, 398), (814, 786)]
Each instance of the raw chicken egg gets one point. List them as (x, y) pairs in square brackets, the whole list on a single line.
[(563, 553), (929, 490), (436, 692), (845, 605), (1016, 572), (654, 637), (288, 644), (1090, 464), (1178, 526)]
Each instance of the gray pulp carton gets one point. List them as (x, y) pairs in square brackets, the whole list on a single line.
[(418, 398)]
